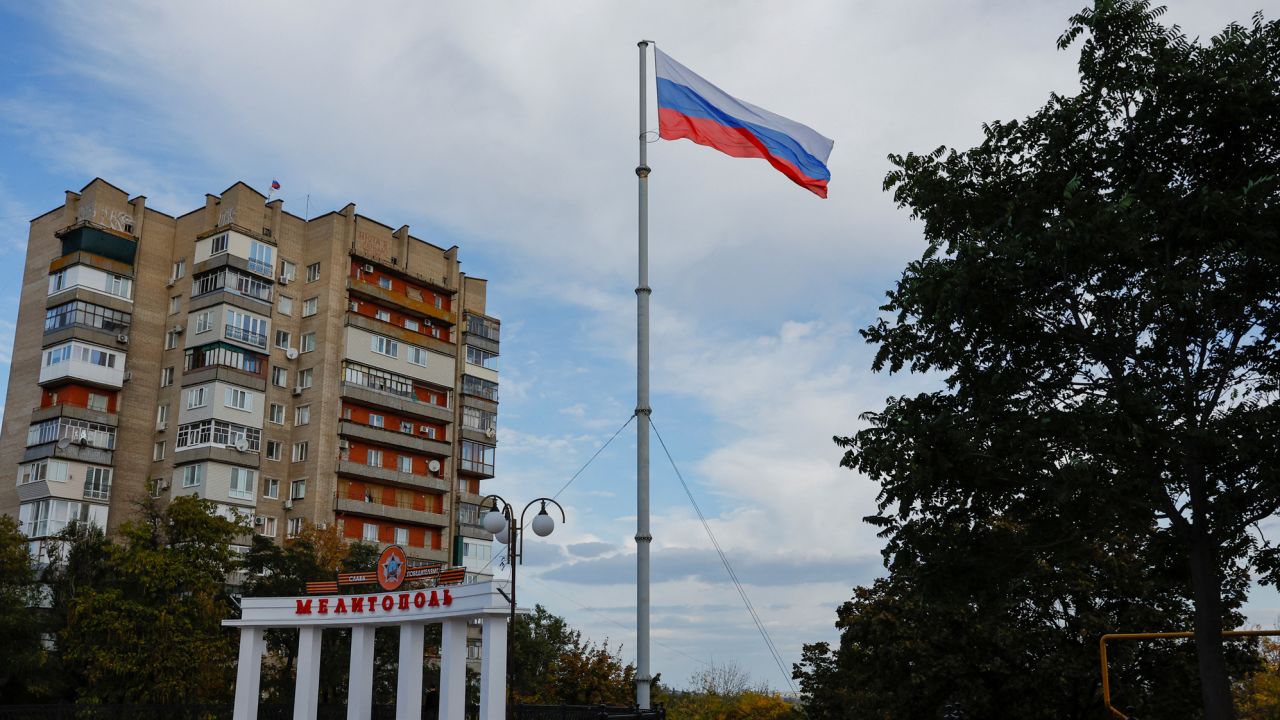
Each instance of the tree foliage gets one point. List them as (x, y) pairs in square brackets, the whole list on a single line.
[(556, 665), (1099, 292), (723, 691), (147, 626), (1258, 695), (23, 656)]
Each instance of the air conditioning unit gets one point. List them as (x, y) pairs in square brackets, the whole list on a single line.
[(288, 504), (297, 390), (367, 268), (178, 329), (344, 445), (424, 428), (284, 279), (128, 376), (162, 426), (170, 283), (122, 338), (259, 521)]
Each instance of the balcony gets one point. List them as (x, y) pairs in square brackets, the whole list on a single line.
[(84, 237), (411, 406), (84, 370), (394, 477), (78, 452), (66, 410), (382, 436), (233, 281), (399, 512), (379, 294), (248, 337)]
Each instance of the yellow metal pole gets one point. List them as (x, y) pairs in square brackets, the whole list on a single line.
[(1102, 654)]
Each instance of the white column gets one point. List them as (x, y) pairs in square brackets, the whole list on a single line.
[(249, 673), (360, 678), (453, 669), (409, 682), (306, 689), (493, 669)]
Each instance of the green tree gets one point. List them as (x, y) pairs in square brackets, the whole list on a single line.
[(554, 664), (22, 659), (723, 691), (1258, 695), (150, 630), (1099, 291)]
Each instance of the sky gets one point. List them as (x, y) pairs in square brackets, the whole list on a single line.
[(510, 129)]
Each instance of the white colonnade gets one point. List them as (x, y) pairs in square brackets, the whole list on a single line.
[(411, 610)]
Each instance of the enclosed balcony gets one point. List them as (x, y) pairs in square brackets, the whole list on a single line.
[(84, 363)]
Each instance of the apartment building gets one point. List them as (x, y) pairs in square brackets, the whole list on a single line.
[(323, 370)]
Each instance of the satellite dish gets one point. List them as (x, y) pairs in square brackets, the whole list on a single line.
[(434, 466), (63, 443), (291, 353), (241, 443)]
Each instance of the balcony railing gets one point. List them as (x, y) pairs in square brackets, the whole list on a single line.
[(260, 267), (482, 327), (249, 337), (231, 280)]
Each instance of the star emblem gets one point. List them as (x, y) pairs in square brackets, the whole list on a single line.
[(391, 568)]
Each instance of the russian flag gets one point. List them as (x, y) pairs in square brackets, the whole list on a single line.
[(690, 107)]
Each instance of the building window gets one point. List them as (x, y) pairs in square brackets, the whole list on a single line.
[(298, 489), (402, 536), (477, 457), (431, 432), (157, 451), (282, 339), (417, 355), (273, 450), (285, 307), (279, 376), (307, 343), (384, 346), (238, 399), (483, 358), (411, 324), (384, 282), (261, 257), (374, 458), (218, 244), (162, 414), (218, 433), (276, 414), (153, 487), (370, 532), (204, 321), (246, 328), (197, 397), (295, 527), (97, 483), (313, 272), (267, 527), (300, 451), (98, 402), (192, 476), (242, 481), (87, 314), (404, 463), (477, 419), (305, 377), (310, 306), (175, 304), (406, 427), (271, 488), (179, 270), (302, 415), (288, 270), (166, 377), (375, 420), (479, 387), (119, 286), (383, 315)]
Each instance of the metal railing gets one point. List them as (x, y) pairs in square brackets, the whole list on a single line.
[(235, 332)]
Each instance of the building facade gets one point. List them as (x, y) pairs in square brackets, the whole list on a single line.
[(330, 370)]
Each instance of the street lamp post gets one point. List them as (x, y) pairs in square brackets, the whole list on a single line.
[(501, 521)]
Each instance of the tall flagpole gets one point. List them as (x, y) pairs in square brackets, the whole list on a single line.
[(643, 538)]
